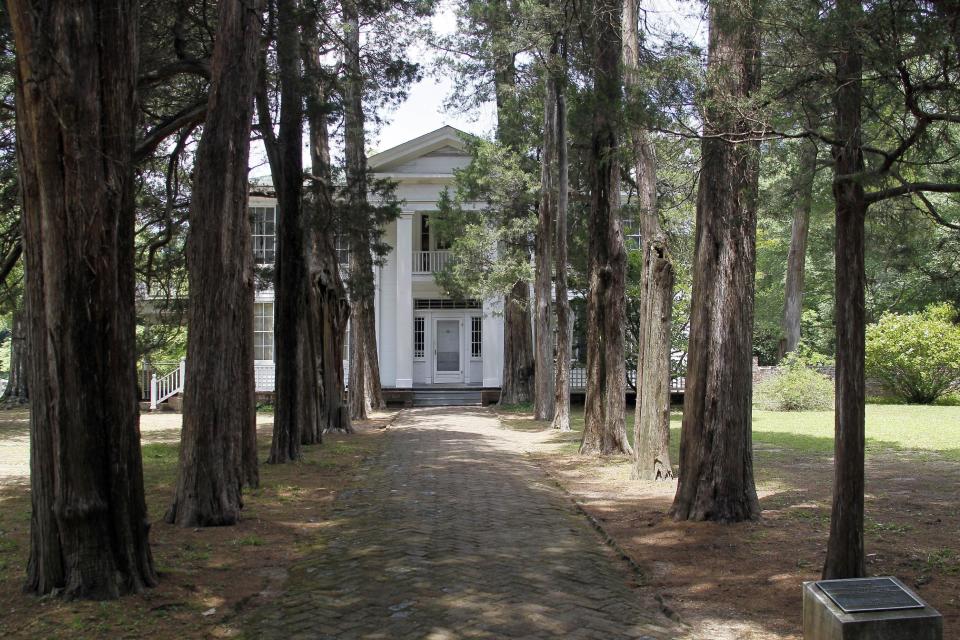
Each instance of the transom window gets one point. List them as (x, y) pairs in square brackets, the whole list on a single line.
[(445, 303), (476, 337), (419, 337), (263, 331), (264, 220)]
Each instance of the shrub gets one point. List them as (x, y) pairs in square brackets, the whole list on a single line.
[(917, 355), (795, 387)]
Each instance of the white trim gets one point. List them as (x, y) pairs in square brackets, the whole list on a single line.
[(420, 146), (440, 377)]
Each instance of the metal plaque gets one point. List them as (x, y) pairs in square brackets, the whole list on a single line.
[(868, 594)]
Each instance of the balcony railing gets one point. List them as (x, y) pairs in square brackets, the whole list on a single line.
[(430, 261)]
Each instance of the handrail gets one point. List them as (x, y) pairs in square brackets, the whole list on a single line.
[(430, 261), (167, 386)]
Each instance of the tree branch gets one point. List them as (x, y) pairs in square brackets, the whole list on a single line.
[(188, 116)]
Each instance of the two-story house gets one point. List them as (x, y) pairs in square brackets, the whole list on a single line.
[(423, 337)]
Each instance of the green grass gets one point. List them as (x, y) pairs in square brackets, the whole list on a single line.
[(933, 429), (889, 426)]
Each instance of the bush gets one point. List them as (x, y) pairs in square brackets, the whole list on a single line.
[(917, 355), (795, 387)]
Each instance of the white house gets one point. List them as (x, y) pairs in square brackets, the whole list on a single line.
[(424, 339)]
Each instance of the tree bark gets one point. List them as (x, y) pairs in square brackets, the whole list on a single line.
[(219, 411), (716, 450), (845, 552), (295, 409), (561, 415), (604, 429), (517, 386), (518, 365), (365, 390), (17, 389), (651, 428), (330, 308), (544, 374), (802, 190), (76, 107), (652, 422)]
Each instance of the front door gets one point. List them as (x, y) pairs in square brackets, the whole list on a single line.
[(447, 354)]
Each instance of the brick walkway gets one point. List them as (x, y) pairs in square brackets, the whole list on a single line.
[(455, 535)]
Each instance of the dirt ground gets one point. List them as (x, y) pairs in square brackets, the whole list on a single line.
[(743, 581), (208, 576)]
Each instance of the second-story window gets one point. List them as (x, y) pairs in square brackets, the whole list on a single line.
[(424, 232), (264, 234)]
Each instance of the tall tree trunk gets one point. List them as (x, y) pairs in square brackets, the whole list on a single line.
[(802, 191), (219, 411), (518, 382), (716, 449), (365, 390), (604, 430), (845, 555), (295, 409), (16, 391), (561, 415), (330, 308), (652, 423), (518, 366), (544, 375), (76, 121), (651, 427)]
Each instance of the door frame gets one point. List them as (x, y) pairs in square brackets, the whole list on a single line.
[(448, 377)]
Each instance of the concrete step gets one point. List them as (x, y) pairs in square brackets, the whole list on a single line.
[(446, 398)]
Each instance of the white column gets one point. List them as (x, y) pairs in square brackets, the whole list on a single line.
[(404, 315), (492, 343)]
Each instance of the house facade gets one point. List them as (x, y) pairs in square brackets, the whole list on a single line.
[(424, 338)]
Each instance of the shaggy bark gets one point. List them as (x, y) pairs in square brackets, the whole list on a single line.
[(544, 375), (716, 451), (802, 189), (16, 391), (76, 107), (365, 390), (330, 308), (652, 415), (845, 555), (517, 348), (652, 423), (295, 409), (604, 429), (518, 382), (219, 412), (561, 415)]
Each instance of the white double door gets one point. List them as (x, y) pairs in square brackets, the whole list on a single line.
[(448, 350)]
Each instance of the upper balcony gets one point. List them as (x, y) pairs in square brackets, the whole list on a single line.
[(428, 262)]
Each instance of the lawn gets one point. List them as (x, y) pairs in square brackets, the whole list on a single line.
[(209, 577), (734, 581), (889, 427)]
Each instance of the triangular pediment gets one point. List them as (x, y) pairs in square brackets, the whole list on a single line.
[(438, 152)]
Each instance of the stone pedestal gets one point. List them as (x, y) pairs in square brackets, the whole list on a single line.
[(824, 620)]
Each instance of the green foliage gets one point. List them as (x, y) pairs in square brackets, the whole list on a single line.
[(917, 355), (491, 244), (796, 386)]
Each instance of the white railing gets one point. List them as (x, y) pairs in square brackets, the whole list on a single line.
[(265, 380), (167, 386), (578, 380), (430, 261)]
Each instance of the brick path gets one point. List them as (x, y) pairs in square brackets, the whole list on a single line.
[(455, 535)]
